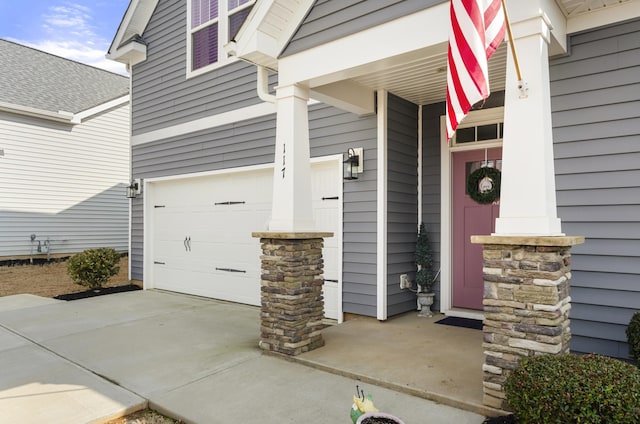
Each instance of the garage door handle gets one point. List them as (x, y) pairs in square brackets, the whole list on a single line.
[(230, 270), (331, 198), (158, 263), (230, 203), (187, 244), (331, 281)]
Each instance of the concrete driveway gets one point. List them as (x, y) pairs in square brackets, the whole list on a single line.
[(194, 359)]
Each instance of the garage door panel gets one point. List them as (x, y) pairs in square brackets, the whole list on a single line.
[(331, 296), (238, 287), (217, 214)]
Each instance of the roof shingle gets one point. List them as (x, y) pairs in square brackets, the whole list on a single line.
[(33, 78)]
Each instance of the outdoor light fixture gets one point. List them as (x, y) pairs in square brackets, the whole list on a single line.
[(134, 188), (353, 164)]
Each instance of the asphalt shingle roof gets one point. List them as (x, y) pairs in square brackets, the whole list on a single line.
[(30, 77)]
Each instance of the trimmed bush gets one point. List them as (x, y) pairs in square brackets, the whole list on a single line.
[(94, 267), (574, 389), (633, 337)]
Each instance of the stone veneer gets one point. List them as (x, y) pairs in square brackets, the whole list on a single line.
[(526, 304), (292, 306)]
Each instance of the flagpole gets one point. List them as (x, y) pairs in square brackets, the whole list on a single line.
[(521, 84)]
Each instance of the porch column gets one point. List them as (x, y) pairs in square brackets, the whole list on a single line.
[(528, 190), (292, 306), (526, 304), (291, 210)]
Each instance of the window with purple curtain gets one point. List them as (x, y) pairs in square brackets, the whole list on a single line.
[(205, 18), (205, 46)]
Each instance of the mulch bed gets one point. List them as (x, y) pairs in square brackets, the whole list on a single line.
[(98, 292)]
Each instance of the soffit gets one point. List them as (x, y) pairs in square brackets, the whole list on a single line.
[(423, 81), (572, 8)]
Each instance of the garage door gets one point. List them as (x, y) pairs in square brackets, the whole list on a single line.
[(201, 229)]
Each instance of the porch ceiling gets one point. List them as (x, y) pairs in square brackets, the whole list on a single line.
[(424, 80), (572, 8)]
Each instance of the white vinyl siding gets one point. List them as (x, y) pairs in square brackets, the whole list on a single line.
[(64, 182)]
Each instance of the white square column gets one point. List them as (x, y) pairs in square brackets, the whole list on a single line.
[(528, 190), (292, 209)]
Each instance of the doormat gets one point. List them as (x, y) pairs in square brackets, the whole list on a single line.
[(461, 322)]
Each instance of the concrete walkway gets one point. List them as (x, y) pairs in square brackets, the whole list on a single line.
[(194, 359)]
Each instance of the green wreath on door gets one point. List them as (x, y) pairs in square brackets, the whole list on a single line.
[(483, 185)]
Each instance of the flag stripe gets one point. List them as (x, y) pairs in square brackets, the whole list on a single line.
[(477, 29), (468, 50)]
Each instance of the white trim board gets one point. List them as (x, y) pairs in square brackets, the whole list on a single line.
[(381, 243), (208, 122), (474, 118)]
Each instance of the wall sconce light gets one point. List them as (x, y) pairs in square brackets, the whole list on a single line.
[(353, 165), (134, 188)]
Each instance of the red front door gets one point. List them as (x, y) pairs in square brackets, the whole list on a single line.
[(470, 218)]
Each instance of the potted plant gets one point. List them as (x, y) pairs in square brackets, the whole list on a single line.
[(425, 276), (364, 412)]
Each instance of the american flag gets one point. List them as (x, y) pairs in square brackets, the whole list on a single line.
[(477, 29)]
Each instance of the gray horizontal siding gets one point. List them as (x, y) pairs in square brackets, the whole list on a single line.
[(251, 142), (333, 131), (99, 221), (431, 180), (596, 127), (402, 200), (163, 96), (329, 20)]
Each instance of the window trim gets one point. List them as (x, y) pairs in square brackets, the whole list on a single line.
[(223, 37)]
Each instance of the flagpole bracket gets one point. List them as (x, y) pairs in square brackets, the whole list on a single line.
[(523, 87)]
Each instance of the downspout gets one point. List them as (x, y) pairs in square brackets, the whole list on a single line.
[(263, 74), (263, 85)]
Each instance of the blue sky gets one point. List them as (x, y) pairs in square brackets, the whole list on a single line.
[(81, 30)]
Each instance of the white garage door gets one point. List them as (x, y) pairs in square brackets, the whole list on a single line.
[(201, 233)]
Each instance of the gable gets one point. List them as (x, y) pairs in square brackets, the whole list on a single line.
[(330, 20)]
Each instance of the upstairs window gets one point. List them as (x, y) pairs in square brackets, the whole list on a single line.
[(212, 24)]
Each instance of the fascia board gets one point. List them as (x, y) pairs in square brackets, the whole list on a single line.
[(60, 116), (135, 21), (80, 116)]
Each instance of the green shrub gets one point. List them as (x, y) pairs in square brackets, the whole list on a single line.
[(633, 337), (574, 389), (94, 267)]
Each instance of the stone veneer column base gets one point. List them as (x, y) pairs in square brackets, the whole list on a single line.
[(526, 304), (292, 306)]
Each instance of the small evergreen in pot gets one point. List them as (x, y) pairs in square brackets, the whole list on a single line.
[(424, 260), (424, 276)]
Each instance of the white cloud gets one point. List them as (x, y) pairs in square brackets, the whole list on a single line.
[(74, 17), (80, 52), (70, 34)]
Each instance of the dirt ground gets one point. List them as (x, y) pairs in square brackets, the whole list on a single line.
[(48, 280), (51, 279)]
